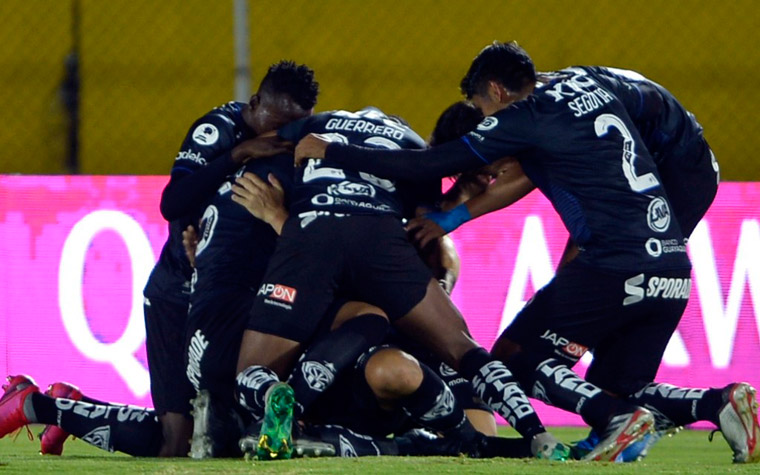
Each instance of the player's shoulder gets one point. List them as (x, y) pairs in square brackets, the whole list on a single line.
[(223, 119)]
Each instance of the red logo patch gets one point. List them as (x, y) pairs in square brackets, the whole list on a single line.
[(574, 349), (283, 293)]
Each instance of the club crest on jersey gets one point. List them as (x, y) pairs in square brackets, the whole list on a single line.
[(658, 215), (488, 123), (206, 134), (278, 292)]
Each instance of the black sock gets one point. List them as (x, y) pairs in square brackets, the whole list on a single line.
[(129, 429), (348, 443), (331, 354), (673, 406), (498, 388), (251, 388), (556, 384), (434, 406)]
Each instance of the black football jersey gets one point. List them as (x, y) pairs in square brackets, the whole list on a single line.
[(577, 142), (323, 185), (212, 136), (234, 246)]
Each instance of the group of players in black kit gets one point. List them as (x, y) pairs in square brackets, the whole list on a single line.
[(622, 162)]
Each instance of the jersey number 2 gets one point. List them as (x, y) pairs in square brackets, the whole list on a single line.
[(639, 184)]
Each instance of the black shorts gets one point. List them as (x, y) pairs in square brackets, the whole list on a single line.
[(165, 322), (625, 319), (367, 257), (691, 184), (215, 328)]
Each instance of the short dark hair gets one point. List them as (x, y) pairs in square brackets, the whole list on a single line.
[(297, 81), (506, 63), (457, 120)]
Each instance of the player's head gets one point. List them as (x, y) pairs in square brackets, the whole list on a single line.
[(288, 92), (457, 120), (499, 75)]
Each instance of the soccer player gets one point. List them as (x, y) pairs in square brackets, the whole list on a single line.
[(624, 293), (217, 145), (344, 229)]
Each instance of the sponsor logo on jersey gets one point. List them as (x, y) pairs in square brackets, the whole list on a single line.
[(190, 155), (279, 292), (658, 215), (488, 123), (206, 134), (656, 247), (656, 287), (350, 188), (576, 350)]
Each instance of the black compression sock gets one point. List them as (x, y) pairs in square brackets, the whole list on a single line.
[(251, 387), (556, 384), (498, 388), (673, 406), (132, 430), (434, 406), (334, 352)]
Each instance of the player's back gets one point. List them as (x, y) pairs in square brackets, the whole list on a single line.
[(667, 128), (324, 186), (577, 143), (234, 246)]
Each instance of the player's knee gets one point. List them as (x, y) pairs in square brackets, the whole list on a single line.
[(392, 374), (177, 430)]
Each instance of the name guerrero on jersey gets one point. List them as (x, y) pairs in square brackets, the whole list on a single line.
[(322, 185)]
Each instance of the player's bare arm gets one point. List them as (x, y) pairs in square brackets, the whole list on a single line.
[(190, 243), (509, 186), (311, 146)]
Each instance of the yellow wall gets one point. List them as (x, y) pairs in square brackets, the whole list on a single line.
[(151, 67)]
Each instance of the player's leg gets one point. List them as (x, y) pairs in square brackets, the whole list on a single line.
[(733, 409), (394, 277), (576, 311), (348, 330), (215, 327), (171, 391), (132, 430), (297, 290)]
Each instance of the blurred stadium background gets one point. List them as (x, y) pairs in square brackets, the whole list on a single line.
[(132, 75)]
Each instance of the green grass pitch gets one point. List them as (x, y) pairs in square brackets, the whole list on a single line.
[(687, 452)]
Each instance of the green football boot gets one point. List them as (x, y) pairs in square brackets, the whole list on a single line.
[(276, 439)]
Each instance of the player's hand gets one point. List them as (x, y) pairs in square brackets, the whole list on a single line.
[(190, 243), (263, 200), (265, 145), (311, 146), (424, 230)]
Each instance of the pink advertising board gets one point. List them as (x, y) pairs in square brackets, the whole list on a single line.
[(76, 251)]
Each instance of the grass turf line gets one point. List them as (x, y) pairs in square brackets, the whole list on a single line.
[(687, 452)]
